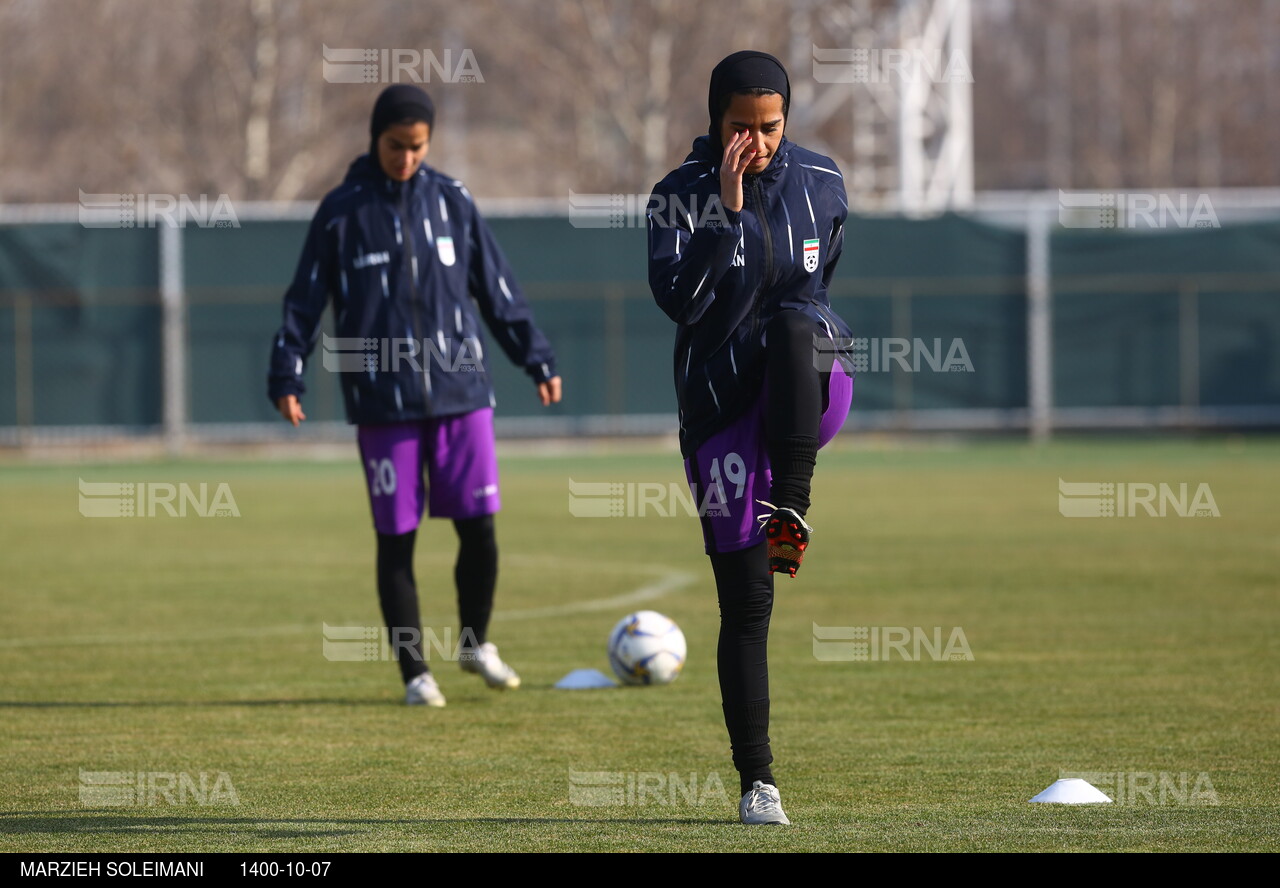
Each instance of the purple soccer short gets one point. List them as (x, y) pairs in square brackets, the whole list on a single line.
[(457, 456), (730, 471)]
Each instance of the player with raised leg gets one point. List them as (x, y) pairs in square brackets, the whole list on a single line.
[(743, 240)]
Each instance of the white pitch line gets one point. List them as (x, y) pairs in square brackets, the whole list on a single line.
[(668, 582)]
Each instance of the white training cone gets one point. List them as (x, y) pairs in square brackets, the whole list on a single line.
[(581, 679), (1072, 791)]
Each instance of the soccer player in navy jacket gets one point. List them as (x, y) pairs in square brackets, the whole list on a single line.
[(411, 269), (744, 237)]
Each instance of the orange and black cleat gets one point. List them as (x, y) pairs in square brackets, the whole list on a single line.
[(788, 537)]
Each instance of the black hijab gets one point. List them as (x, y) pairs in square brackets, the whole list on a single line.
[(744, 70), (397, 103)]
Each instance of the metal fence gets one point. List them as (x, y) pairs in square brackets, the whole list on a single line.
[(1006, 318)]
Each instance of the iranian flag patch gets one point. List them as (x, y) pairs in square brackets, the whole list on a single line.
[(811, 255)]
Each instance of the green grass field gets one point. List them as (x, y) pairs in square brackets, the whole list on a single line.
[(1144, 648)]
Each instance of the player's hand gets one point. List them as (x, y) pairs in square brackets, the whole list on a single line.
[(738, 154), (549, 391), (291, 409)]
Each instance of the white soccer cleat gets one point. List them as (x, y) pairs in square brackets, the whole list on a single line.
[(761, 804), (485, 662), (423, 691)]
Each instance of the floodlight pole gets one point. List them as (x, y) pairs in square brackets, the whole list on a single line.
[(1039, 322), (935, 119), (173, 347), (909, 97)]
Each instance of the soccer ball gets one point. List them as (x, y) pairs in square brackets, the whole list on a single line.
[(646, 648)]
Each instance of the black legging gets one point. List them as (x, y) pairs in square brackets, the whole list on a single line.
[(744, 588), (793, 415), (475, 573), (744, 585)]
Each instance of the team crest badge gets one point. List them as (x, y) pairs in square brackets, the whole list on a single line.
[(444, 249), (811, 255)]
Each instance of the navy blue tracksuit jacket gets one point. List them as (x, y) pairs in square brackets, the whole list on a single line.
[(408, 267), (722, 275)]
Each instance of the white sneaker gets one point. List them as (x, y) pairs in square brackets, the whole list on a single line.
[(762, 805), (423, 691), (484, 661)]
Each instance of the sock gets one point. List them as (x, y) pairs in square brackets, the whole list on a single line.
[(476, 576), (752, 754), (398, 595), (744, 587), (792, 460)]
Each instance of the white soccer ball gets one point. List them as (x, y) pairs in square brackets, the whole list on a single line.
[(646, 648)]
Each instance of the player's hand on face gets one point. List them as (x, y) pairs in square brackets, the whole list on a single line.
[(549, 391), (738, 154), (291, 409)]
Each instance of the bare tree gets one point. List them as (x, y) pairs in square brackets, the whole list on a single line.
[(190, 96)]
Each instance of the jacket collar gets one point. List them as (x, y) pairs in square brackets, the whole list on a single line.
[(364, 170)]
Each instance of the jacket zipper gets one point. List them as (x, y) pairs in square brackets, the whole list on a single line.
[(410, 253), (757, 192)]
